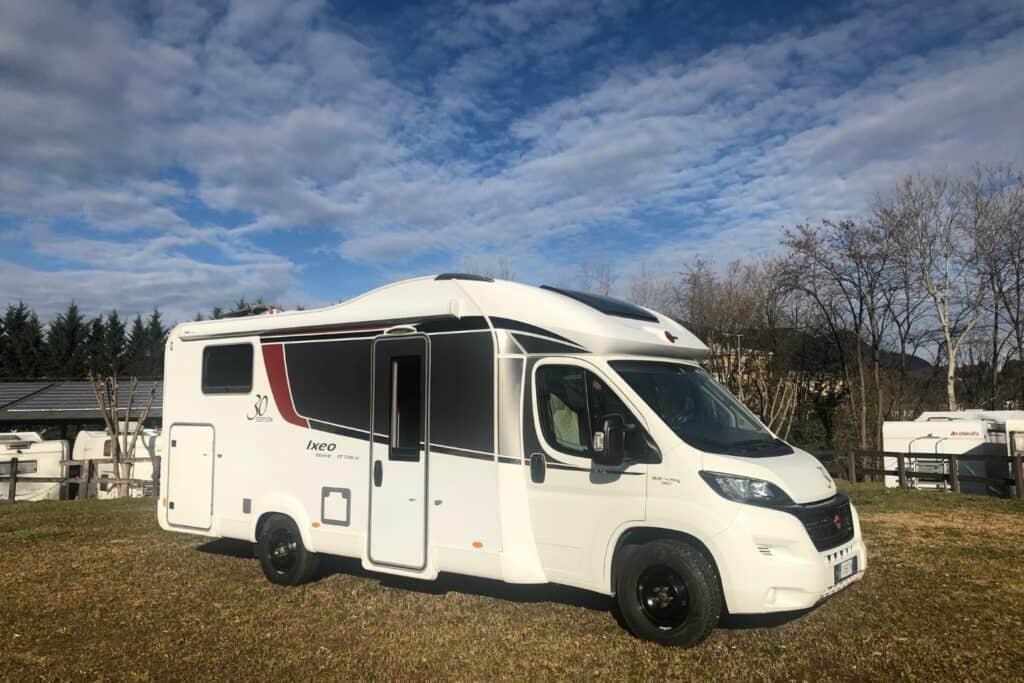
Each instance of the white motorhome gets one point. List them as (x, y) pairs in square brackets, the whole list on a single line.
[(461, 424), (36, 458), (96, 444), (970, 434)]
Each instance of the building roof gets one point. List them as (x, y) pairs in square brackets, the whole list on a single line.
[(69, 401)]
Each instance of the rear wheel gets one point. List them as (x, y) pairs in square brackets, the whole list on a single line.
[(669, 593), (283, 557)]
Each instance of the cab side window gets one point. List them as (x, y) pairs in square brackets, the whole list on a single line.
[(562, 406), (573, 404)]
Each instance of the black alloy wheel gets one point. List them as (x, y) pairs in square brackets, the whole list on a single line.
[(667, 591), (663, 597), (283, 557)]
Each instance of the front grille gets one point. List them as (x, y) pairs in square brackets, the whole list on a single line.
[(829, 523)]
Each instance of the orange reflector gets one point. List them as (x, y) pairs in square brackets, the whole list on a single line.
[(165, 501), (316, 525), (478, 544)]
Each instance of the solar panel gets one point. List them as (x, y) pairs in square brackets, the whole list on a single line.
[(13, 391), (78, 397)]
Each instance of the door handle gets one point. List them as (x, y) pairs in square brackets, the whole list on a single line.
[(378, 473), (538, 468)]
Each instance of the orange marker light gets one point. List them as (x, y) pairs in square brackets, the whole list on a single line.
[(478, 544), (165, 501), (316, 525)]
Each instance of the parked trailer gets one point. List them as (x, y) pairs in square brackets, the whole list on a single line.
[(96, 444), (36, 458), (461, 424), (972, 434)]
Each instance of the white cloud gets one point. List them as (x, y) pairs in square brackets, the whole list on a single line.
[(285, 118)]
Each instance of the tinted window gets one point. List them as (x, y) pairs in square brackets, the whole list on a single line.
[(562, 407), (227, 369), (406, 408), (572, 405), (698, 409), (606, 304)]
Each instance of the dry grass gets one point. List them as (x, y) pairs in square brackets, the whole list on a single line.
[(943, 599)]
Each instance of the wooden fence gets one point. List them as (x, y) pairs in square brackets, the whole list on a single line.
[(82, 474), (872, 464)]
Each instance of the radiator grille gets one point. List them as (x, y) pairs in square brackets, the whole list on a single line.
[(829, 524)]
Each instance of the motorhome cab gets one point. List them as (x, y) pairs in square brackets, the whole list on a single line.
[(460, 424)]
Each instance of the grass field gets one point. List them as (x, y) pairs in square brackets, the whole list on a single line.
[(94, 589)]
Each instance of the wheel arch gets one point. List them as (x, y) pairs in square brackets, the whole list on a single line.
[(287, 508), (638, 535)]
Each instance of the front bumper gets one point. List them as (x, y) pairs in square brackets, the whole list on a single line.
[(768, 563)]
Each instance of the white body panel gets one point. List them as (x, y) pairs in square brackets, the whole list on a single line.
[(190, 468), (472, 509), (962, 433), (94, 444), (36, 458)]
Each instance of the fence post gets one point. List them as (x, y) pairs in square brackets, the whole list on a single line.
[(954, 473), (12, 483), (1018, 474), (852, 465), (901, 465), (86, 480), (155, 478)]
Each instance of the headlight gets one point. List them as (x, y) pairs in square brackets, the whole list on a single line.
[(747, 490)]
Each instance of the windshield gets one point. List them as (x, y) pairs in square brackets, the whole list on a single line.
[(698, 409)]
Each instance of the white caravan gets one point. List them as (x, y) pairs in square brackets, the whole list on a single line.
[(36, 458), (96, 444), (530, 435), (965, 433)]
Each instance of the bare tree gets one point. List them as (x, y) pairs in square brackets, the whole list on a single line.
[(501, 268), (1006, 257), (596, 277), (849, 261), (651, 291), (943, 234)]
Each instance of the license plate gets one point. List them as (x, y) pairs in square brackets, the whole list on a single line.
[(845, 569)]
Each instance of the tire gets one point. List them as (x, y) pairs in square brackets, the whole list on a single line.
[(283, 557), (668, 593)]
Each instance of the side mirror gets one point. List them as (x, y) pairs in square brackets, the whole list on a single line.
[(610, 442)]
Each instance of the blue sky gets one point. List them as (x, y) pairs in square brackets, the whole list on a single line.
[(182, 155)]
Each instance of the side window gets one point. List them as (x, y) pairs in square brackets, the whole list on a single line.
[(406, 413), (227, 369), (562, 408), (573, 404)]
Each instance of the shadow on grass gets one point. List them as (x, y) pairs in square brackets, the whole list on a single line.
[(445, 583), (490, 588)]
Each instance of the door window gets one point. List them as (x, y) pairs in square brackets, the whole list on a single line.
[(572, 405), (406, 408)]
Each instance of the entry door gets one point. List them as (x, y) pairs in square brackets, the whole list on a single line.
[(398, 470), (190, 476)]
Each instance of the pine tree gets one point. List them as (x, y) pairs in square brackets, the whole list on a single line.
[(95, 339), (114, 345), (136, 355), (22, 351), (65, 344), (156, 337)]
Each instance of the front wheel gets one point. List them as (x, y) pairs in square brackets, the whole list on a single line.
[(669, 593), (283, 557)]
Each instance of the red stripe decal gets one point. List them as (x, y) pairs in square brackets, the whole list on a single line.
[(273, 359)]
